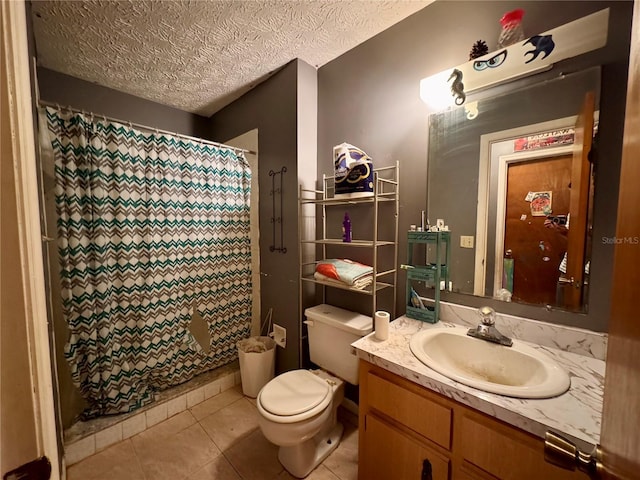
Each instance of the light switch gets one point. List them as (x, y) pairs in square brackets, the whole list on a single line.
[(466, 241)]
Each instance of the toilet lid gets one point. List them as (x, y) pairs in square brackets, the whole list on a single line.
[(293, 393)]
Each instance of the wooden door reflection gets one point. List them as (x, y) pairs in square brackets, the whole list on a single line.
[(537, 250)]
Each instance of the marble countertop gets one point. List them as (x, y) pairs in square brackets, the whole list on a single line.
[(575, 414)]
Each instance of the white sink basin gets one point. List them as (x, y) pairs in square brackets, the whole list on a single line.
[(517, 371)]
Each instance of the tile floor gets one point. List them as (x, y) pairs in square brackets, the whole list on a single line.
[(218, 439)]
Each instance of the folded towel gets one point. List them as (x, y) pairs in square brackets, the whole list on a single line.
[(359, 284), (343, 270)]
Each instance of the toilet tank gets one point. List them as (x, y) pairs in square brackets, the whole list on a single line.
[(332, 330)]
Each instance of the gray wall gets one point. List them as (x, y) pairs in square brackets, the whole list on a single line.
[(271, 107), (370, 97), (69, 91), (66, 90)]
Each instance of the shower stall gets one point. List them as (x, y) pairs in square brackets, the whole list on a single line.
[(149, 260)]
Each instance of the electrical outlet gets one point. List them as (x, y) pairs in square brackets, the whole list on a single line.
[(280, 335), (466, 241)]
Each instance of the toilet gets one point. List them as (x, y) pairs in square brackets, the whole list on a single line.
[(298, 409)]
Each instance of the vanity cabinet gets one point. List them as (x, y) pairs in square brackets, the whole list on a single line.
[(396, 455), (403, 424)]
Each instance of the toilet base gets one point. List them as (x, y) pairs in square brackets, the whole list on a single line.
[(300, 460)]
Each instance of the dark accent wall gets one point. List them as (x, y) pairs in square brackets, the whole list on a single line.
[(370, 97), (66, 90), (271, 107)]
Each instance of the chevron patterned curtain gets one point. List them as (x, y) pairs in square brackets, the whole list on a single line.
[(149, 226)]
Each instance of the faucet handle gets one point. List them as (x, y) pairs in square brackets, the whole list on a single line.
[(488, 315)]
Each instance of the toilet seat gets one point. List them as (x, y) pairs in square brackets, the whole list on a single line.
[(294, 396)]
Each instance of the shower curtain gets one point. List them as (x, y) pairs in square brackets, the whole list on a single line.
[(150, 226)]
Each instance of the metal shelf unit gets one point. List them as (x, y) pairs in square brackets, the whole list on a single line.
[(386, 190)]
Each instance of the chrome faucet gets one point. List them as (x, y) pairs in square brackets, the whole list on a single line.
[(486, 330)]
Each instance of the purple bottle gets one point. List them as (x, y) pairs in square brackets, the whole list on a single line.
[(346, 228)]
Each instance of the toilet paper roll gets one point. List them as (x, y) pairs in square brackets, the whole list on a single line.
[(381, 323)]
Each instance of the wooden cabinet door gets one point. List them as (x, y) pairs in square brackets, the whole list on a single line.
[(402, 403), (392, 455), (503, 451)]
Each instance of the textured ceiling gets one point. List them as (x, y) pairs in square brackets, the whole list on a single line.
[(199, 56)]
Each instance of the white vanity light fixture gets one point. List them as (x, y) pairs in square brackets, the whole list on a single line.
[(435, 91), (538, 53)]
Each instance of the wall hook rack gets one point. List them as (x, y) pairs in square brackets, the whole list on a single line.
[(277, 218)]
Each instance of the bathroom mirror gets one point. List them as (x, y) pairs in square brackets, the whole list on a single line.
[(504, 173)]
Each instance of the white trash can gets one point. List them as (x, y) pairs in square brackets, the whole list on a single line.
[(257, 363)]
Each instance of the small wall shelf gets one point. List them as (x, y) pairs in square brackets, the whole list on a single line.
[(432, 274)]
